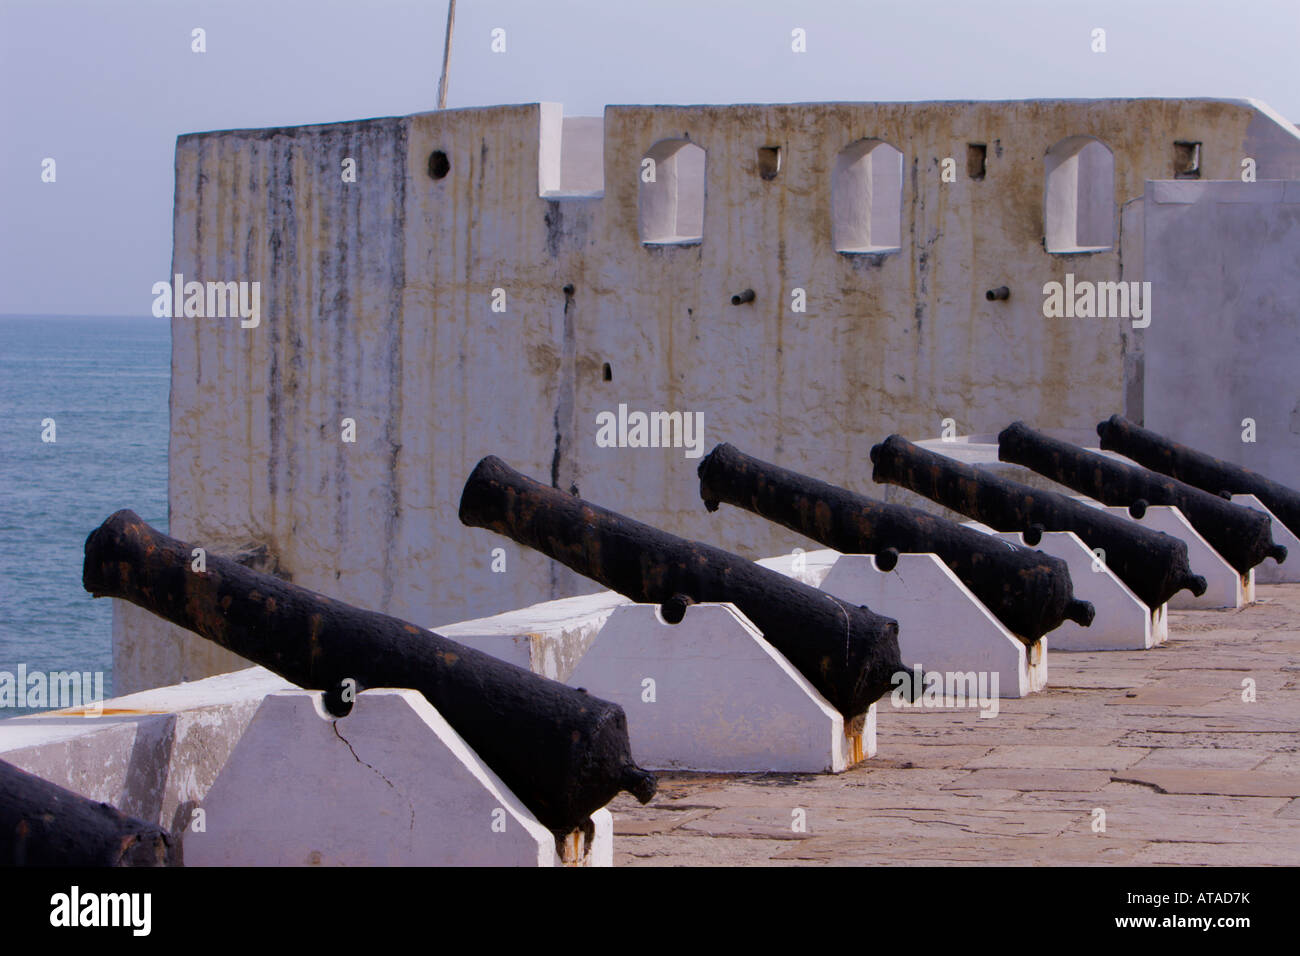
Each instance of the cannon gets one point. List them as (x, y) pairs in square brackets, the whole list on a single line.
[(563, 752), (1214, 475), (845, 651), (1028, 591), (43, 824), (1243, 537), (1153, 564)]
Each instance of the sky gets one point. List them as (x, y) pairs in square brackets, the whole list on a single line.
[(105, 87)]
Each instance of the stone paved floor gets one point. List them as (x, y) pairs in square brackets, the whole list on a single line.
[(1160, 740)]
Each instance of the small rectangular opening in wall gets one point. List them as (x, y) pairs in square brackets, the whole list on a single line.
[(571, 149), (1187, 160), (582, 155), (867, 198), (769, 161), (1079, 196), (976, 156), (670, 193)]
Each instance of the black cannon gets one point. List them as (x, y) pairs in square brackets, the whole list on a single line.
[(43, 824), (564, 753), (1153, 564), (1214, 475), (1243, 537), (848, 653), (1028, 591)]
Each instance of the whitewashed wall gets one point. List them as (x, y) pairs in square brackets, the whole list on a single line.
[(377, 307)]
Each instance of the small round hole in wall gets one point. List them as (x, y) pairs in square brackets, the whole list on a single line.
[(608, 373), (439, 164)]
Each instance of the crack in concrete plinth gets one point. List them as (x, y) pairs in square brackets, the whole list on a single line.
[(390, 783)]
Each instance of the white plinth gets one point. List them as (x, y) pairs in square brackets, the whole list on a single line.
[(547, 638), (1270, 572), (806, 567), (941, 625), (152, 754), (710, 693), (391, 784)]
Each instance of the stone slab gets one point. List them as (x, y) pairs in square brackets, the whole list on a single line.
[(1241, 783)]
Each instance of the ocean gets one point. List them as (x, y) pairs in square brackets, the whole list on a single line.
[(105, 383)]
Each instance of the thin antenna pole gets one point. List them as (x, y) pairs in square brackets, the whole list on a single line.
[(446, 56)]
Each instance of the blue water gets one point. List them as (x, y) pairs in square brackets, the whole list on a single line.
[(105, 383)]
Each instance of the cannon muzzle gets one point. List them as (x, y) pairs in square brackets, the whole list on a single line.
[(1080, 612)]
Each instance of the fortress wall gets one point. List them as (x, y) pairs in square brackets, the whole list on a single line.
[(893, 342), (377, 306)]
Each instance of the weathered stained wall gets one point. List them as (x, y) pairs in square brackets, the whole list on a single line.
[(377, 306)]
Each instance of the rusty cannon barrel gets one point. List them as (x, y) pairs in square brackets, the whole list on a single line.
[(1214, 475), (1028, 591), (564, 753), (1153, 564), (848, 653), (43, 824), (1243, 537)]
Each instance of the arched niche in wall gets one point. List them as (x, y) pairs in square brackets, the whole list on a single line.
[(670, 200), (867, 198), (1079, 196)]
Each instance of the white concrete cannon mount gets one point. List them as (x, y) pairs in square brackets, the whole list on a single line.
[(151, 754), (1270, 572), (1122, 621), (807, 567), (547, 638), (390, 784), (710, 693), (942, 626), (1224, 586)]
